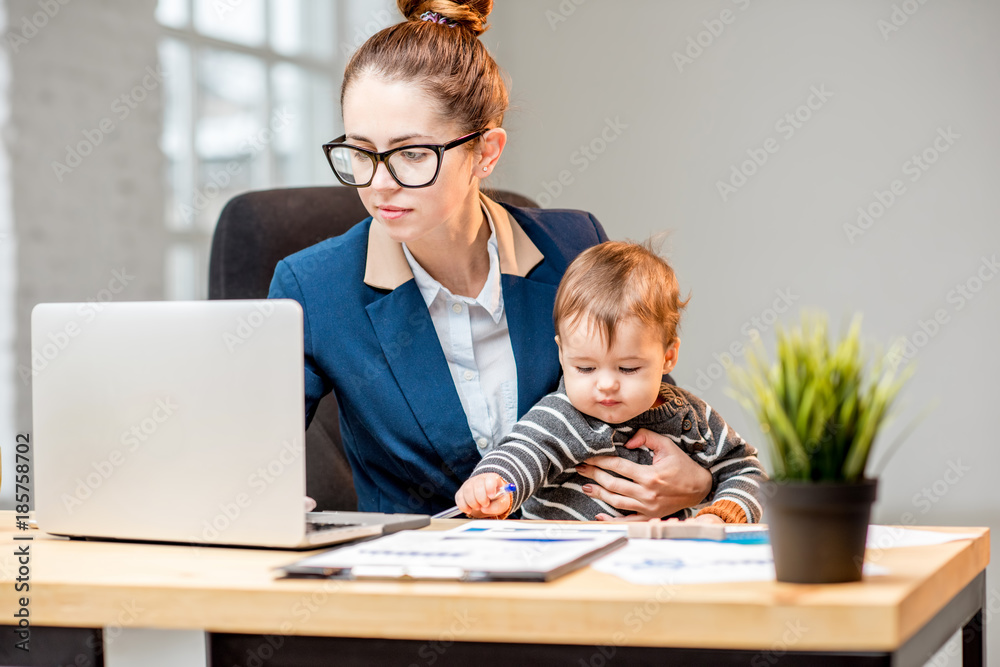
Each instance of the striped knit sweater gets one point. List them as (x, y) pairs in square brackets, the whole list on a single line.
[(541, 451)]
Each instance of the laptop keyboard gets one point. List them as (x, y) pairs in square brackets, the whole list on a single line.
[(316, 526)]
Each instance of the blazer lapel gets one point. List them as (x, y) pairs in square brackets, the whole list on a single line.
[(529, 318), (413, 353)]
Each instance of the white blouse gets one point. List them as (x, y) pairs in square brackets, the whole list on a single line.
[(476, 342)]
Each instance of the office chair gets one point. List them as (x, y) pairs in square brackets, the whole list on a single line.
[(255, 231)]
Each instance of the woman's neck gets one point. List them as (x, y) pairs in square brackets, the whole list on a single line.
[(456, 255)]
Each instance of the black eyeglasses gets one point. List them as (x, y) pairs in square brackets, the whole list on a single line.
[(415, 166)]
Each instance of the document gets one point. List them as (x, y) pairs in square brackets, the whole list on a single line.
[(892, 537), (666, 562), (476, 551), (658, 562)]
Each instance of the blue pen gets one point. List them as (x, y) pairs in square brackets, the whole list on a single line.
[(454, 511)]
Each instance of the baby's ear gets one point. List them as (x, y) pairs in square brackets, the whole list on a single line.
[(670, 357)]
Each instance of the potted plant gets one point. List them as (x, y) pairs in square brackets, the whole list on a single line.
[(821, 405)]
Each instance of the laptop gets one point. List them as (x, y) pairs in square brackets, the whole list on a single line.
[(178, 421)]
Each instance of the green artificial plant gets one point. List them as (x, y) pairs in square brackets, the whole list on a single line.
[(818, 405)]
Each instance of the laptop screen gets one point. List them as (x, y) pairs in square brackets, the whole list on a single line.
[(173, 421)]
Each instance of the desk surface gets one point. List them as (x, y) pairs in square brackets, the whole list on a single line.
[(94, 584)]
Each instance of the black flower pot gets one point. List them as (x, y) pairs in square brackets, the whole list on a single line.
[(818, 529)]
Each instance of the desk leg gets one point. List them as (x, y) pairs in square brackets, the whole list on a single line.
[(147, 647), (49, 646), (973, 645)]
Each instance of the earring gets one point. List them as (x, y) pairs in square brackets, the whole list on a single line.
[(484, 169)]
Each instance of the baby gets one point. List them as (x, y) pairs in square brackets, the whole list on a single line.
[(616, 316)]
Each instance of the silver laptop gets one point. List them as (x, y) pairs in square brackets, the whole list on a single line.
[(178, 421)]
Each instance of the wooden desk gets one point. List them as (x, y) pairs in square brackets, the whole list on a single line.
[(586, 617)]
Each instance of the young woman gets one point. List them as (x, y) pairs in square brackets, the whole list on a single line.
[(432, 319)]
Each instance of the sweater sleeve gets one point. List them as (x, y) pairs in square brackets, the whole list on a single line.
[(551, 438), (736, 472)]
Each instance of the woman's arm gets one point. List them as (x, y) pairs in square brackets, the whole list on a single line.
[(602, 235), (284, 285), (672, 482)]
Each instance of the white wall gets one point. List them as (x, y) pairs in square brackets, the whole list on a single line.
[(603, 74), (8, 280)]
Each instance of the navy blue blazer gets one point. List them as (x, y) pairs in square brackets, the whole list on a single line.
[(404, 431)]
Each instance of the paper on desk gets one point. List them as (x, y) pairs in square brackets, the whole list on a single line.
[(505, 530), (657, 562), (688, 562), (478, 551), (890, 537)]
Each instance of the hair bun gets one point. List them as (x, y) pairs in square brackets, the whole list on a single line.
[(470, 15)]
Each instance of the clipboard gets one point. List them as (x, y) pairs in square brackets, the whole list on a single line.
[(478, 551)]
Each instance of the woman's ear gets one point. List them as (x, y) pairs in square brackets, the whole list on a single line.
[(670, 358), (491, 146)]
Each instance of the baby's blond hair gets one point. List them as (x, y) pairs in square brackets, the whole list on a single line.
[(615, 280)]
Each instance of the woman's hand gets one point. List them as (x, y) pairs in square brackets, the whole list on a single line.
[(672, 482), (482, 496)]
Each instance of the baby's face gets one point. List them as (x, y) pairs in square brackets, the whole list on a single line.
[(616, 384)]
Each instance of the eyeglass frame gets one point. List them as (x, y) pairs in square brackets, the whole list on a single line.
[(384, 156)]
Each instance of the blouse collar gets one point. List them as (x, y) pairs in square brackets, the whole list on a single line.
[(386, 266)]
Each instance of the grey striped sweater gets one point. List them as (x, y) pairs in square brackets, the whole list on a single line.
[(541, 451)]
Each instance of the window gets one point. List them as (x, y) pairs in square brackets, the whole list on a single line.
[(250, 94)]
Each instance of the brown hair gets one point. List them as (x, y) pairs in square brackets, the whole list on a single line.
[(449, 63), (613, 281)]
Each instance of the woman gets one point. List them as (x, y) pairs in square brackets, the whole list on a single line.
[(431, 320)]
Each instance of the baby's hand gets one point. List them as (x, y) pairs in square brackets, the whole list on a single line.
[(707, 518), (474, 496)]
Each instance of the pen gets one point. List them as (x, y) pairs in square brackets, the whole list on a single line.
[(454, 511)]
